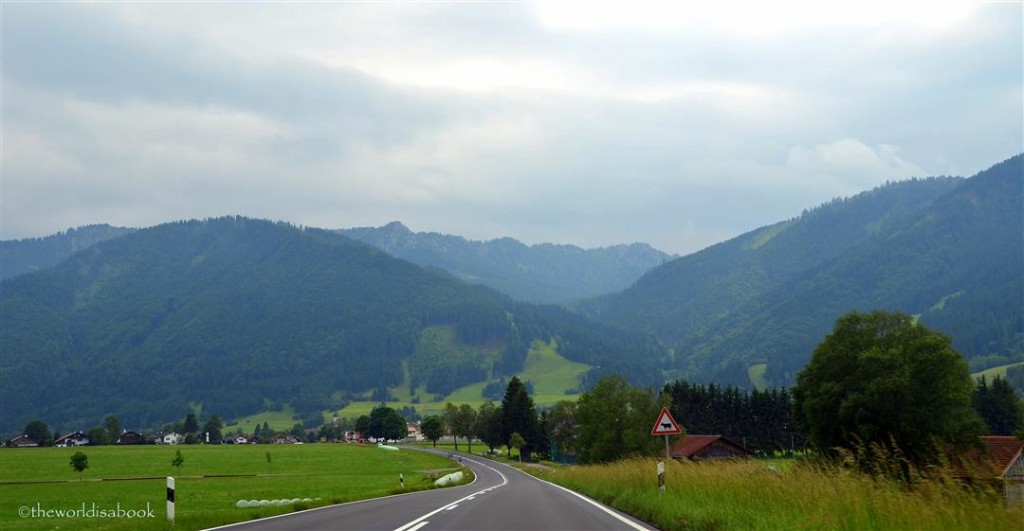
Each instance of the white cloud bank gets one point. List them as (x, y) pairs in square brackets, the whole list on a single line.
[(560, 122)]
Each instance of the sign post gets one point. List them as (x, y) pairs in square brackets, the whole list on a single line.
[(665, 425)]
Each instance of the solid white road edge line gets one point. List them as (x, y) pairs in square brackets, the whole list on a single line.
[(325, 507), (504, 481), (595, 503)]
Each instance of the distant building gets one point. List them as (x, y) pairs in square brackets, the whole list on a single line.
[(75, 438), (130, 437), (22, 441), (702, 447), (171, 438)]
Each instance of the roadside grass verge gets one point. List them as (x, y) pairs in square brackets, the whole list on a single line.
[(212, 480), (750, 495)]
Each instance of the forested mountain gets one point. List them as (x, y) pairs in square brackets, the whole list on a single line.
[(950, 250), (545, 273), (32, 254), (242, 314)]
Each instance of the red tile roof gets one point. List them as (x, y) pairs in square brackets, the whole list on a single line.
[(999, 454), (691, 445), (1002, 450)]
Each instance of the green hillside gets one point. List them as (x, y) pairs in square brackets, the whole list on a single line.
[(18, 257), (551, 373), (245, 315), (948, 249)]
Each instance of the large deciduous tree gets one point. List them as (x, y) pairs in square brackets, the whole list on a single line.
[(615, 421), (432, 428), (880, 378), (39, 432), (489, 422)]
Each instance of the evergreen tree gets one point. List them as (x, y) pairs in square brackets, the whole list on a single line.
[(998, 406), (519, 415), (113, 428), (191, 424), (212, 430)]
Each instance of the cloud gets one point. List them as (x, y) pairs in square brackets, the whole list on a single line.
[(852, 164), (486, 120)]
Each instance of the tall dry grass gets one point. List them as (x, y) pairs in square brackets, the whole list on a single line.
[(751, 495)]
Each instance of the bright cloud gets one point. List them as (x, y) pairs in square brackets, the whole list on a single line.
[(592, 123)]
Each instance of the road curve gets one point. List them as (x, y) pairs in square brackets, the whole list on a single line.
[(501, 498)]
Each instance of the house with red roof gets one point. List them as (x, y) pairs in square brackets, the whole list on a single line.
[(1000, 459), (702, 447)]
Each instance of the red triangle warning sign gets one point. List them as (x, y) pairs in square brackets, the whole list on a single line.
[(666, 425)]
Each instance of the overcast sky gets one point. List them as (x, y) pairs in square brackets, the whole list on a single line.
[(568, 122)]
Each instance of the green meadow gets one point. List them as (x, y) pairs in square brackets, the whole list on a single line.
[(551, 373), (1000, 371), (211, 481), (757, 495)]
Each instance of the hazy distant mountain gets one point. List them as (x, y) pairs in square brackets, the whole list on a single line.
[(544, 273), (241, 314), (32, 254), (948, 249)]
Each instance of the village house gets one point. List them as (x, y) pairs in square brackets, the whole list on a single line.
[(75, 438), (171, 438), (130, 437), (1000, 460), (22, 441), (702, 447)]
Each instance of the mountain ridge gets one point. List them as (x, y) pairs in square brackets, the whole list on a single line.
[(543, 273), (911, 246)]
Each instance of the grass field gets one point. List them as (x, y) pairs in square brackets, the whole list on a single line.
[(277, 420), (212, 479), (550, 373), (756, 374), (752, 495), (1000, 371)]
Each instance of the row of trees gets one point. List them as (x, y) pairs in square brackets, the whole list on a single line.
[(512, 423), (760, 420)]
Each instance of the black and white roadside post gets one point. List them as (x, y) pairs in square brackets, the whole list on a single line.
[(661, 477), (665, 425), (401, 480), (170, 498)]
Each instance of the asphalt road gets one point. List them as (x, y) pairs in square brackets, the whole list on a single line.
[(501, 498)]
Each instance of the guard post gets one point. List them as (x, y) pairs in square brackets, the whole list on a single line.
[(170, 499)]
